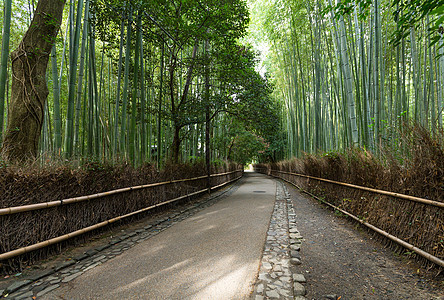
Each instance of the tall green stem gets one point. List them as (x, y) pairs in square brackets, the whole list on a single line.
[(4, 60)]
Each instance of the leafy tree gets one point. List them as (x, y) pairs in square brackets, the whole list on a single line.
[(410, 13), (137, 80), (29, 90)]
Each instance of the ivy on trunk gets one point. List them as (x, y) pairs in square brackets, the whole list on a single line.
[(29, 90)]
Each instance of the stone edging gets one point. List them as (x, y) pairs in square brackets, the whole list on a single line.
[(43, 283), (277, 278)]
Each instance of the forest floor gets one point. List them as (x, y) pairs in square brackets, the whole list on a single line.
[(341, 259)]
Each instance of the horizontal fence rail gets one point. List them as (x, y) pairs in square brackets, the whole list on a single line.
[(438, 261), (43, 205), (36, 246), (396, 195)]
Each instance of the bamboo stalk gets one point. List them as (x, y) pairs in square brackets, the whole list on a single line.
[(123, 128), (65, 237), (78, 99), (4, 59), (441, 82), (142, 102), (69, 129), (119, 80), (135, 88), (159, 113), (56, 103)]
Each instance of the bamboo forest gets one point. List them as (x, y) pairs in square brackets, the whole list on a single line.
[(222, 149), (158, 81)]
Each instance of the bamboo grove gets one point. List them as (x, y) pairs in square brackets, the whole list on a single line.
[(142, 81), (177, 80), (349, 73)]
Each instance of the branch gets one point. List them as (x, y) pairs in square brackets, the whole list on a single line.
[(189, 75), (161, 28)]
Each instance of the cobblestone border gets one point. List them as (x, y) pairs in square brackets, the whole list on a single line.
[(295, 239), (277, 278), (43, 283)]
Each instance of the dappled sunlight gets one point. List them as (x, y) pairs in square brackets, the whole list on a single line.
[(197, 277), (141, 281), (206, 284), (225, 286), (214, 254), (203, 216)]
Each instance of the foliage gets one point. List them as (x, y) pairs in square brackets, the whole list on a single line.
[(347, 8), (182, 46), (339, 80), (410, 13)]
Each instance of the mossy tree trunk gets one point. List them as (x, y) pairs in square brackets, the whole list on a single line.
[(29, 90)]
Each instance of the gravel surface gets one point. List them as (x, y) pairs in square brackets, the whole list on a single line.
[(342, 261)]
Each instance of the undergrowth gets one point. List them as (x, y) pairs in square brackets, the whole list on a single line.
[(412, 165)]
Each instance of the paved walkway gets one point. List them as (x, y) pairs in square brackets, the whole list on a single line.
[(214, 254), (242, 245)]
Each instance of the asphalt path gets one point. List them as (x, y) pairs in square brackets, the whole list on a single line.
[(214, 254)]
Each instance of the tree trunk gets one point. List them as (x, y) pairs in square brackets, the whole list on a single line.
[(29, 90), (175, 151), (207, 120), (175, 107)]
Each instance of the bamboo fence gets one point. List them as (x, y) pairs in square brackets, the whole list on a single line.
[(39, 206), (438, 261), (396, 195)]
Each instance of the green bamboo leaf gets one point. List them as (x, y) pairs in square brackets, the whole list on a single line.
[(434, 40), (438, 10), (440, 21)]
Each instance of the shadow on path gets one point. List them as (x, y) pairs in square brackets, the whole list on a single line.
[(214, 254)]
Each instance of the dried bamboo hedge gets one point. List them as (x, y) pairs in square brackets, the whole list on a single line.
[(23, 187), (420, 174)]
